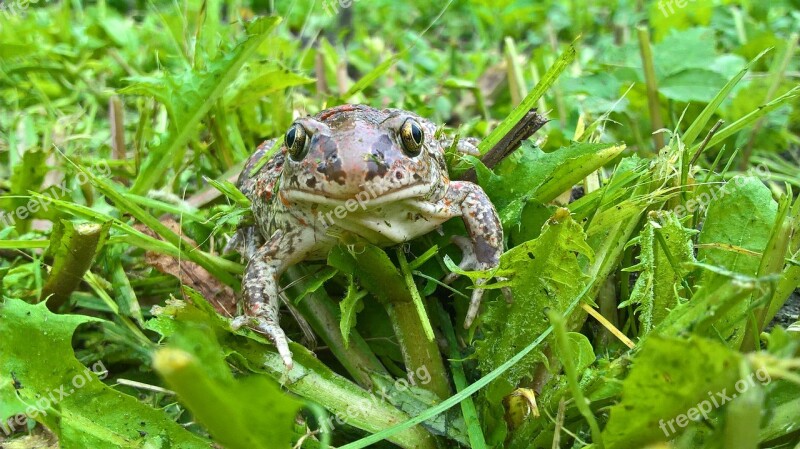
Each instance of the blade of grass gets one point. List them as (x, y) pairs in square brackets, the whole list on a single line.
[(700, 122), (415, 297), (474, 431), (748, 119), (561, 64), (468, 391), (646, 51)]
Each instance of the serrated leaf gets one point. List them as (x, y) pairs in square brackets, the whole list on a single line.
[(188, 97), (669, 376), (349, 307), (37, 349), (659, 282), (530, 173), (545, 274)]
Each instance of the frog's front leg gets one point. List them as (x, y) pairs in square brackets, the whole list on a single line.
[(482, 250), (260, 287)]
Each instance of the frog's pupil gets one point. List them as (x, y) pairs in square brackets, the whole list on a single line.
[(416, 133), (290, 136)]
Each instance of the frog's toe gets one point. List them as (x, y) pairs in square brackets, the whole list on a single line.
[(270, 329), (274, 332), (469, 261), (474, 304)]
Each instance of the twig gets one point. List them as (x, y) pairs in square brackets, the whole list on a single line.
[(705, 141), (528, 126)]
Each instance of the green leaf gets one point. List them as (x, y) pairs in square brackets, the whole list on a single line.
[(37, 363), (259, 79), (661, 268), (689, 49), (692, 85), (349, 307), (669, 376), (544, 274), (188, 97), (530, 173), (700, 122), (581, 350), (241, 413), (741, 218)]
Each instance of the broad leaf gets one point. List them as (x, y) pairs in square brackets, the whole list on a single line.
[(40, 376), (545, 274), (669, 376)]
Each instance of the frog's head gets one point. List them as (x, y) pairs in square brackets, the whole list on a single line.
[(343, 152)]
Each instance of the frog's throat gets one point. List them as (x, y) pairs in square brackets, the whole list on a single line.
[(366, 199)]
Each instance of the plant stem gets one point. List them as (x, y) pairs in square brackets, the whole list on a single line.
[(376, 273), (73, 247), (652, 87), (349, 404), (566, 356), (322, 314), (418, 351)]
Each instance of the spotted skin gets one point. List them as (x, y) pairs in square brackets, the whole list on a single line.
[(356, 173)]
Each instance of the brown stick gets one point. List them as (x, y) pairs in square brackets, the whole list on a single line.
[(526, 127)]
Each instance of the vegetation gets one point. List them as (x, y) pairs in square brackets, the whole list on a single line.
[(652, 227)]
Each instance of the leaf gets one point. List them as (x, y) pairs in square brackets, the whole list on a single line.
[(349, 307), (692, 85), (669, 376), (188, 97), (241, 413), (581, 350), (741, 216), (660, 273), (37, 362), (259, 79), (530, 173), (544, 274), (694, 48)]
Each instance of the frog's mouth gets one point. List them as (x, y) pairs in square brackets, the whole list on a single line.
[(366, 199)]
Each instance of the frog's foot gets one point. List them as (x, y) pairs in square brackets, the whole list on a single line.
[(260, 319), (470, 262)]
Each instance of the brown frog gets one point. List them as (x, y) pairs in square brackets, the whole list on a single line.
[(380, 174)]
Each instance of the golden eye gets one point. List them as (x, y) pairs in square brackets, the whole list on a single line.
[(296, 139), (412, 137)]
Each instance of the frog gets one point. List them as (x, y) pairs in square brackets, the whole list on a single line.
[(380, 174)]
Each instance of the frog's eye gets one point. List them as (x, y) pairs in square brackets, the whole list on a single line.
[(411, 136), (295, 141)]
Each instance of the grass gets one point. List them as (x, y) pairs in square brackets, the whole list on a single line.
[(652, 227)]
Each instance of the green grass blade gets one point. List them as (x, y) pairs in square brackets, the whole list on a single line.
[(697, 126), (469, 391), (530, 100)]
